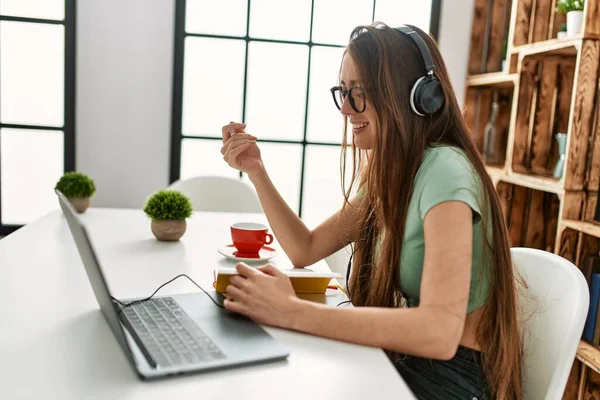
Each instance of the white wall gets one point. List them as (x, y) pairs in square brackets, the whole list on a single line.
[(455, 35), (123, 100), (124, 79)]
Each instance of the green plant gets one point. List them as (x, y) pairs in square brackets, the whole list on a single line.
[(168, 205), (564, 6), (76, 185), (504, 48), (563, 28)]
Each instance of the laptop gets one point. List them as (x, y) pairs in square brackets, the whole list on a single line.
[(173, 335)]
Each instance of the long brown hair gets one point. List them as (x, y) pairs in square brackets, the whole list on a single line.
[(388, 63)]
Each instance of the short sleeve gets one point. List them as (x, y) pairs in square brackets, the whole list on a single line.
[(449, 177)]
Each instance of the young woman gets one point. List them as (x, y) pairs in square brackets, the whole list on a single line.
[(432, 279)]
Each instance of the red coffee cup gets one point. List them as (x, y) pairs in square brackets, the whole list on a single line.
[(250, 237)]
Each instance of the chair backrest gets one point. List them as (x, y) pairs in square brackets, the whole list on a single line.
[(338, 262), (218, 193), (553, 308)]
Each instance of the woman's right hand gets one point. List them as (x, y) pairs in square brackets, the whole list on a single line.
[(240, 150)]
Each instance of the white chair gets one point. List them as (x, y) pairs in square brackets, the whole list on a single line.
[(219, 193), (554, 307), (338, 262)]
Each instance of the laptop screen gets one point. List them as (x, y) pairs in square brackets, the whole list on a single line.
[(94, 273)]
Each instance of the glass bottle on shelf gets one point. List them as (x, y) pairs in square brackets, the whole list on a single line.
[(561, 139), (490, 148)]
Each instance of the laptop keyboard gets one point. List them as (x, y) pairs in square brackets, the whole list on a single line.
[(169, 334)]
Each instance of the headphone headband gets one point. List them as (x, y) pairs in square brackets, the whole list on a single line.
[(421, 46), (426, 95)]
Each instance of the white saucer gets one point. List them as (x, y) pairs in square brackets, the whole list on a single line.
[(264, 254)]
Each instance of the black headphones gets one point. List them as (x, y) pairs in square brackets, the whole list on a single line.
[(426, 96)]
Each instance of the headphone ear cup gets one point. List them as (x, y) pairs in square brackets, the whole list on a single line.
[(428, 96)]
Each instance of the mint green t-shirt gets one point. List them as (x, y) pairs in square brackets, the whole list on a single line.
[(445, 174)]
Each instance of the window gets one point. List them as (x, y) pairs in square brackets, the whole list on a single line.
[(234, 60), (37, 89)]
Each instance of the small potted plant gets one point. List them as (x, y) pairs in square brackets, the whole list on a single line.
[(168, 210), (574, 11), (78, 188), (562, 31)]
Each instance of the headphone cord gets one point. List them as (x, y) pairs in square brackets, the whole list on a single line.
[(131, 303)]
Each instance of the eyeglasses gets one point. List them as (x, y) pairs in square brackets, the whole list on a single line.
[(355, 94)]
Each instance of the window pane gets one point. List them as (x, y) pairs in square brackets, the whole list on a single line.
[(325, 122), (322, 183), (276, 93), (45, 9), (32, 73), (32, 163), (292, 21), (203, 157), (283, 163), (398, 12), (223, 17), (333, 20), (213, 84)]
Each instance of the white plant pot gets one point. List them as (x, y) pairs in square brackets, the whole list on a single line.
[(561, 35), (574, 22)]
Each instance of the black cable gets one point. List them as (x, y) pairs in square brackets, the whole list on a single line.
[(348, 270), (131, 303), (348, 277)]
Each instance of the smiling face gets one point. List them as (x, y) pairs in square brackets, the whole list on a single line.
[(363, 124)]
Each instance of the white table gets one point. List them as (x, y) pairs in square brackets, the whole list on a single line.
[(55, 343)]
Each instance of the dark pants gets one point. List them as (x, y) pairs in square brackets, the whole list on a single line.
[(459, 378)]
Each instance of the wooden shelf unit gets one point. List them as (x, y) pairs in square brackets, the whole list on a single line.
[(548, 85), (589, 355), (566, 46), (582, 226), (494, 79)]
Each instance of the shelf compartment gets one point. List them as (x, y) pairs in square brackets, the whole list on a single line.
[(543, 109), (534, 21), (489, 35), (498, 80), (580, 248), (531, 215), (491, 135), (589, 212)]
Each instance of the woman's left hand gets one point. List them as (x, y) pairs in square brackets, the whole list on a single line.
[(264, 294)]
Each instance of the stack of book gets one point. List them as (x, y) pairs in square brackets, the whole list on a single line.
[(591, 270), (304, 280)]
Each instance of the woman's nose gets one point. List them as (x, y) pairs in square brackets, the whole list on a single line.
[(347, 109)]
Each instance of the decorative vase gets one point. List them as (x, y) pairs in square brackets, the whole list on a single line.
[(168, 230), (80, 203), (561, 139), (574, 22)]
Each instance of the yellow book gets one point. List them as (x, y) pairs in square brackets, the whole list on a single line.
[(303, 280)]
